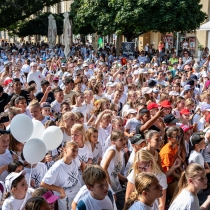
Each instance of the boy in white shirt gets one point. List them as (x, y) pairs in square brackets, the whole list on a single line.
[(99, 196)]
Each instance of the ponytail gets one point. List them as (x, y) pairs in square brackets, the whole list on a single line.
[(132, 198)]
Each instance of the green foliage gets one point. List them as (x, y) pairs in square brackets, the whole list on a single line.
[(133, 18), (36, 26), (12, 11)]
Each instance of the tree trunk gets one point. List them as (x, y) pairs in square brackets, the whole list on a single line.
[(82, 37)]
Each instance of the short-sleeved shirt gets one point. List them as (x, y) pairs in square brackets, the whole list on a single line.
[(168, 156), (50, 97)]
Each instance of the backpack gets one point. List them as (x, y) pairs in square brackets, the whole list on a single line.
[(81, 205)]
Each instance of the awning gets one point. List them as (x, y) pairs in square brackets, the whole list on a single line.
[(205, 26)]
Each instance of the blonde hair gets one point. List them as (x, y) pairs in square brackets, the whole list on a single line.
[(116, 135), (34, 103), (90, 131), (77, 94), (191, 171), (189, 101), (142, 183), (204, 96), (98, 106), (13, 111), (64, 117), (80, 128), (144, 155), (67, 145), (93, 174)]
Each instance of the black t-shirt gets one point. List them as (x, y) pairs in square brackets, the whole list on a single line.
[(153, 127), (23, 93), (50, 97), (3, 101)]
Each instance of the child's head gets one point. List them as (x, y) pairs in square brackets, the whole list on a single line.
[(101, 105), (78, 98), (20, 102), (88, 95), (13, 111), (16, 184), (59, 96), (15, 166), (67, 120), (145, 162), (46, 109), (79, 118), (173, 134), (152, 137), (92, 135), (197, 141), (49, 123), (205, 97), (78, 134), (95, 179), (147, 186), (37, 203), (70, 150), (106, 120), (138, 142), (185, 114), (65, 107), (4, 141), (35, 109), (144, 115), (118, 139), (117, 123), (190, 104)]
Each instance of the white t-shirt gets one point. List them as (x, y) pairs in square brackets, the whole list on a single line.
[(13, 204), (131, 124), (103, 135), (186, 201), (129, 163), (56, 106), (25, 68), (65, 176), (37, 77), (196, 157), (114, 168), (38, 173), (97, 153), (5, 159), (88, 73), (206, 153), (141, 206)]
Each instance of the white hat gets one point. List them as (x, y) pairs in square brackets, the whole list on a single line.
[(205, 107), (85, 64), (131, 111), (136, 72), (174, 93), (136, 66), (146, 90), (32, 63), (155, 90), (11, 177), (110, 84), (155, 64), (66, 74), (14, 50)]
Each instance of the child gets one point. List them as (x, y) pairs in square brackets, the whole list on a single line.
[(168, 155), (17, 191), (66, 123), (103, 126), (197, 141), (21, 102), (77, 101), (92, 137), (35, 110), (193, 179), (63, 176), (56, 105), (37, 203), (112, 163), (148, 190), (137, 142), (144, 162), (88, 98), (5, 155), (16, 148), (99, 196), (46, 110)]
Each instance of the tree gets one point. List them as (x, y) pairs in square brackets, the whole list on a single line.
[(133, 18), (36, 26), (12, 11)]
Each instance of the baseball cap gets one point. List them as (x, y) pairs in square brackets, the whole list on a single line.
[(85, 65), (163, 62), (131, 111), (45, 105), (205, 107), (4, 131), (50, 197), (55, 79), (193, 77), (155, 90), (110, 84), (170, 118), (146, 90), (166, 104), (185, 128), (63, 64), (155, 64), (185, 111), (66, 74), (152, 106), (11, 177), (173, 93), (191, 82), (197, 137), (7, 82), (152, 83), (204, 74), (137, 139)]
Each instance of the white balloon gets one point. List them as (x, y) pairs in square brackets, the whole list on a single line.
[(52, 137), (38, 129), (34, 151), (21, 127)]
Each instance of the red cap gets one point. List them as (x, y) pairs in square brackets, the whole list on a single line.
[(185, 128), (166, 104), (185, 111), (6, 82), (152, 106), (55, 79)]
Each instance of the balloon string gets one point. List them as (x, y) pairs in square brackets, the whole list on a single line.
[(29, 185)]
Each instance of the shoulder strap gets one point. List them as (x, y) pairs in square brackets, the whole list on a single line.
[(110, 196), (81, 205)]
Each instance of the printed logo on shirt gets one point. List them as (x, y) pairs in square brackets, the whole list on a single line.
[(83, 158), (36, 178), (117, 169), (71, 180)]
